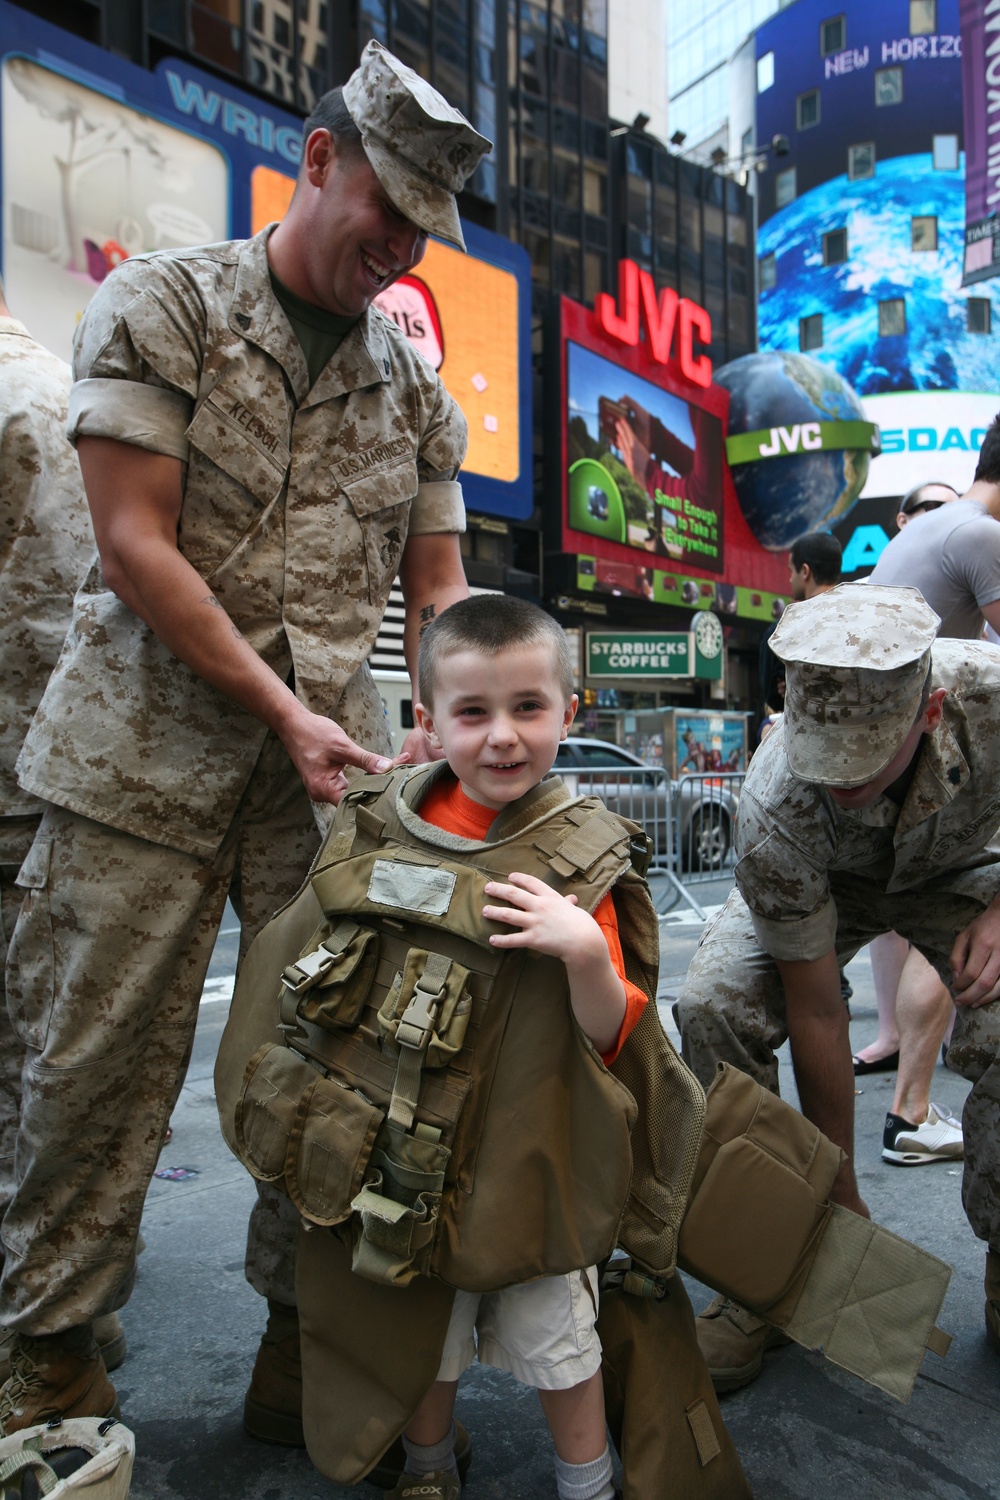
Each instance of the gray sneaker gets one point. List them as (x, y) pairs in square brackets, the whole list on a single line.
[(435, 1486)]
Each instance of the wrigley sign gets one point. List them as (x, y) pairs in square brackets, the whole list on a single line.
[(656, 653)]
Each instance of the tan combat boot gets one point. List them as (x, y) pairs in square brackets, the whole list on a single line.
[(732, 1341), (272, 1409), (56, 1375), (993, 1299), (108, 1332)]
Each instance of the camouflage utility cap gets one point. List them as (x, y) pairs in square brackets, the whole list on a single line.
[(421, 149), (857, 659)]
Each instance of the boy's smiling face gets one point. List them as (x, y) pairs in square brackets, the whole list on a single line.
[(498, 719)]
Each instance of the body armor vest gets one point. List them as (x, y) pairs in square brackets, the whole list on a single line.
[(435, 1095)]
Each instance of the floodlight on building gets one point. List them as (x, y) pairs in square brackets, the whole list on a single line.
[(678, 138)]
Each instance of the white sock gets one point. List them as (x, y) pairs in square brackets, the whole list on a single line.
[(438, 1458), (585, 1481)]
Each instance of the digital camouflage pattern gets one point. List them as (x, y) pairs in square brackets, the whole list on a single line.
[(856, 659), (421, 149), (297, 506), (106, 972), (812, 877), (46, 542)]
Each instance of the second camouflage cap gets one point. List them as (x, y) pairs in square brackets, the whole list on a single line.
[(422, 150), (857, 659)]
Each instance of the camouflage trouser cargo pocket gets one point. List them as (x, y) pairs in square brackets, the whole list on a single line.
[(31, 956), (397, 1209), (305, 1133)]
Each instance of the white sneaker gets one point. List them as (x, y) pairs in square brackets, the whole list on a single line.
[(939, 1138)]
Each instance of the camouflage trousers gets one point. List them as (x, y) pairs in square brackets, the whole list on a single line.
[(731, 1008), (104, 979), (16, 835)]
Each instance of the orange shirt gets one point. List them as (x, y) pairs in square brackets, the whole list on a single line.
[(446, 806)]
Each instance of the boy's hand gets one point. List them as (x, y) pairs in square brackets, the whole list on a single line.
[(544, 920), (552, 924)]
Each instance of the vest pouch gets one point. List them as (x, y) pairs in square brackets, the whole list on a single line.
[(329, 1147), (274, 1081), (398, 1207), (330, 982), (428, 1007), (294, 1124)]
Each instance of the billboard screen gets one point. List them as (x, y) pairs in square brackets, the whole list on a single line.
[(980, 79), (648, 507), (102, 160)]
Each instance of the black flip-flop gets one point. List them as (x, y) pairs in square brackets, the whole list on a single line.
[(887, 1064)]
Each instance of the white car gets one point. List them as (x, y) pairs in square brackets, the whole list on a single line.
[(702, 808)]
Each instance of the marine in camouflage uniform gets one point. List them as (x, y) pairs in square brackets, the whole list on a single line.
[(251, 515), (46, 543), (874, 807)]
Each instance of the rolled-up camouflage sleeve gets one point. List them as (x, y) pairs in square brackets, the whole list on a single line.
[(439, 505), (136, 361), (783, 845)]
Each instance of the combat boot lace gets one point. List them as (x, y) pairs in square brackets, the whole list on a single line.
[(732, 1341), (55, 1376), (108, 1332)]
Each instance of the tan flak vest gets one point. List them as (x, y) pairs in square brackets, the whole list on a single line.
[(434, 1093), (432, 1110)]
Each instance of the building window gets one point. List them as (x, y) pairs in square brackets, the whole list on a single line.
[(977, 316), (946, 153), (765, 72), (811, 332), (891, 317), (784, 187), (769, 273), (923, 232), (746, 142), (832, 36), (807, 110), (861, 160), (888, 86), (835, 247), (923, 17)]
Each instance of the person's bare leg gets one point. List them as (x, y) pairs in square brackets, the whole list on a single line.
[(431, 1421), (923, 1013), (576, 1420), (888, 955)]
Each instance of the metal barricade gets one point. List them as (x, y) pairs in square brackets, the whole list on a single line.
[(690, 821)]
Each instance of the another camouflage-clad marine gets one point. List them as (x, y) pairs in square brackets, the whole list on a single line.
[(45, 546), (812, 875), (297, 505)]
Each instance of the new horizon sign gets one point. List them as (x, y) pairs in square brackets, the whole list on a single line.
[(672, 323)]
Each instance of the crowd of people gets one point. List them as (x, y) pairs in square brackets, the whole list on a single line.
[(192, 591)]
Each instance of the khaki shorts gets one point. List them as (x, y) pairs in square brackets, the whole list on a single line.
[(542, 1332)]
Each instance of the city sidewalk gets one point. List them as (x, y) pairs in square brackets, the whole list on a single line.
[(805, 1430)]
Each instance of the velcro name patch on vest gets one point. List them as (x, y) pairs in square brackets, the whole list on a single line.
[(411, 887)]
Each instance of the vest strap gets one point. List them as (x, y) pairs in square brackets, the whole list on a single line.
[(416, 1025), (307, 970)]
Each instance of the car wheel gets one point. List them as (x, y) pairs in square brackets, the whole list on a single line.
[(707, 840)]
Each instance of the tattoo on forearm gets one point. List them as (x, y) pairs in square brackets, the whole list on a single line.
[(427, 617), (213, 603)]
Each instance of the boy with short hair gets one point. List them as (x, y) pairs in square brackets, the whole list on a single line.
[(497, 697)]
